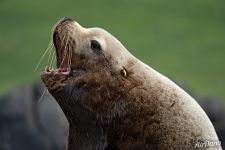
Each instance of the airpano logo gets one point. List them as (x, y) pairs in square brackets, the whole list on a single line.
[(207, 143)]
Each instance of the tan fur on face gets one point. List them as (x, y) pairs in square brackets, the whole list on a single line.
[(111, 47)]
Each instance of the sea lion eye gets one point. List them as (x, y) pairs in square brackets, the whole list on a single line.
[(95, 45)]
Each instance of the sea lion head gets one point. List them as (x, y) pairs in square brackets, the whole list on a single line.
[(93, 69)]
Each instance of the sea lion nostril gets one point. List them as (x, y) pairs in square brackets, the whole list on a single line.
[(64, 19)]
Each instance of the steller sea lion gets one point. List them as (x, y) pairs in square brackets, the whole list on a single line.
[(113, 101)]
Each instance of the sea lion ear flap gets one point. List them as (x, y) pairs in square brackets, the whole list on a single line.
[(128, 81), (123, 72)]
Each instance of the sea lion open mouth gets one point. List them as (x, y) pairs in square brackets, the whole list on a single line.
[(62, 45), (68, 63), (65, 47), (62, 50)]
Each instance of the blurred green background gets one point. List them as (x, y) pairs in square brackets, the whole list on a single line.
[(182, 39)]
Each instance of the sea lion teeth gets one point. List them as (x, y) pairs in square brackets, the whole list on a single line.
[(47, 69), (63, 70)]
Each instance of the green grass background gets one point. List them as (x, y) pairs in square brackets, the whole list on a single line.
[(183, 39)]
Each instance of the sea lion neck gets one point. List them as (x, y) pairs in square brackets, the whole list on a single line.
[(84, 130)]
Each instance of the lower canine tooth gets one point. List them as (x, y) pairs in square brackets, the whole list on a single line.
[(47, 68)]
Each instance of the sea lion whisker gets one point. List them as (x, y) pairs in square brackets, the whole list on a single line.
[(51, 56), (54, 27), (50, 53), (62, 33), (61, 28), (62, 36), (67, 48), (68, 60), (42, 57), (52, 60), (70, 56), (42, 95), (65, 53)]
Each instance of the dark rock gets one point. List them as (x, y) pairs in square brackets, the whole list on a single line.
[(26, 122), (215, 109)]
